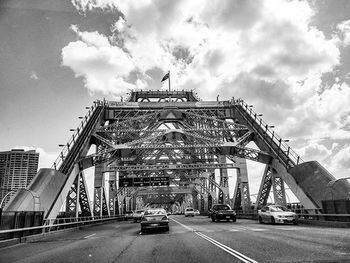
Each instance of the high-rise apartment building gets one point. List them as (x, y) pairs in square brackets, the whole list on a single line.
[(17, 169)]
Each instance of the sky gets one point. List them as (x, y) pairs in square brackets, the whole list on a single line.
[(289, 59)]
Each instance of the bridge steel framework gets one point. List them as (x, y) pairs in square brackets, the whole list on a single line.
[(173, 134)]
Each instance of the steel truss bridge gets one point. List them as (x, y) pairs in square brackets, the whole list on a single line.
[(173, 134)]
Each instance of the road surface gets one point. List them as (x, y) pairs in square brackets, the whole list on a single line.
[(194, 239)]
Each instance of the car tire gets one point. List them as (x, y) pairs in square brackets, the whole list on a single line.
[(212, 219), (167, 229), (234, 219), (273, 220), (295, 222), (260, 220)]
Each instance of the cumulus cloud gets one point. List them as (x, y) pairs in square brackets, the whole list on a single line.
[(104, 67), (343, 31), (266, 52), (341, 159)]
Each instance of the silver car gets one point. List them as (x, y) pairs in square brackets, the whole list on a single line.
[(276, 214), (154, 218)]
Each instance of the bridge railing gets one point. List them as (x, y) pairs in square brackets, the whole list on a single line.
[(72, 140), (55, 224), (308, 215), (282, 147)]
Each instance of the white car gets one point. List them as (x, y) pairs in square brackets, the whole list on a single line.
[(196, 212), (189, 211), (276, 214)]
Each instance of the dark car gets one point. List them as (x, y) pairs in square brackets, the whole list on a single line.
[(128, 215), (209, 212), (222, 212), (155, 218)]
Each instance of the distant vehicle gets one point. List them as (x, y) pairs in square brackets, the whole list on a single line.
[(155, 218), (222, 212), (196, 212), (128, 215), (138, 214), (210, 211), (276, 214), (189, 211)]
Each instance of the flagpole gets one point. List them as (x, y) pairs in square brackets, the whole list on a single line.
[(169, 79)]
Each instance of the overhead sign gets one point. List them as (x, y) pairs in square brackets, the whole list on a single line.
[(144, 181)]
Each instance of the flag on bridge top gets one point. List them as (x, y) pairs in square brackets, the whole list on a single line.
[(166, 76)]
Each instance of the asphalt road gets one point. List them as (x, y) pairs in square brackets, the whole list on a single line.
[(189, 240)]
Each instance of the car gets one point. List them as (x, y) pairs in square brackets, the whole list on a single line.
[(276, 214), (138, 214), (128, 215), (196, 212), (154, 218), (210, 212), (189, 211), (222, 212)]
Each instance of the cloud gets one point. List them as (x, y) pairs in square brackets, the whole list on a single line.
[(341, 160), (34, 76), (104, 67), (343, 32), (266, 52)]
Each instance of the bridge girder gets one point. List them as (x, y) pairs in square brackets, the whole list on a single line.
[(172, 132)]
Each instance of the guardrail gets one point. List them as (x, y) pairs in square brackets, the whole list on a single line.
[(306, 216), (54, 225), (67, 147), (271, 135)]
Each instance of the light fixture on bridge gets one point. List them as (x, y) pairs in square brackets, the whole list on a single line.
[(71, 129), (61, 145), (87, 108)]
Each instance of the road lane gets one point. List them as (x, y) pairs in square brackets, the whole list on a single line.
[(122, 242), (278, 243)]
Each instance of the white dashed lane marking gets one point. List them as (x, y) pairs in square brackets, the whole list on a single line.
[(90, 235)]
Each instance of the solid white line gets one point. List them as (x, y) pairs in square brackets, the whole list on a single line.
[(90, 235), (258, 229), (187, 227), (229, 250)]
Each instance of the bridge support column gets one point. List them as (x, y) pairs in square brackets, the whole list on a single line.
[(205, 203), (279, 194), (241, 197), (224, 196), (100, 203), (112, 193), (265, 188)]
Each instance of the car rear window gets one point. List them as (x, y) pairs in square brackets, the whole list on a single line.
[(189, 209), (155, 212), (222, 207)]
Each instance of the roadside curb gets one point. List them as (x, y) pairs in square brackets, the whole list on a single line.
[(9, 242)]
